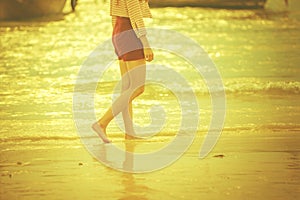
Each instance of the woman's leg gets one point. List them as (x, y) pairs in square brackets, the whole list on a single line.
[(126, 113), (137, 75)]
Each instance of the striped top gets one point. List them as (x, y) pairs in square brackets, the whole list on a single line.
[(135, 10)]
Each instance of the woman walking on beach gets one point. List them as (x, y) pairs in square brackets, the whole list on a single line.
[(133, 50)]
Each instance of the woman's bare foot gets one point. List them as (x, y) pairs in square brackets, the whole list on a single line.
[(101, 132), (130, 137)]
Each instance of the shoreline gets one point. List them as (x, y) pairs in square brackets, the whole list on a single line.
[(238, 166)]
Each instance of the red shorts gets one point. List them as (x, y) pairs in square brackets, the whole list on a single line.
[(127, 45)]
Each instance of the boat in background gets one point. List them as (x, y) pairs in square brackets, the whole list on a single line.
[(23, 9), (232, 4)]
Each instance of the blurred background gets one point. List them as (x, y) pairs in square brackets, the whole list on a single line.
[(255, 50)]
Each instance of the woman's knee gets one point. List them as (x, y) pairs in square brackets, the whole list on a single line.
[(137, 92), (125, 84), (141, 90)]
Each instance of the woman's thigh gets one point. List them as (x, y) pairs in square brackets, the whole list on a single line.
[(135, 64), (137, 75), (123, 67)]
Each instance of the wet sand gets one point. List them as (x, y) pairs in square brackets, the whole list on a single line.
[(264, 166)]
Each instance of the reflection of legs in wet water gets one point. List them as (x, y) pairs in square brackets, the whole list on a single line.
[(129, 156), (135, 74)]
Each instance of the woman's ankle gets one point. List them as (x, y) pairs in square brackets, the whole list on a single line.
[(101, 124)]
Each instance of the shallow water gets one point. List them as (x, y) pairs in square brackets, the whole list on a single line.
[(255, 51)]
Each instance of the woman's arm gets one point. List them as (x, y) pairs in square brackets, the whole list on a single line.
[(137, 23), (136, 17), (147, 50)]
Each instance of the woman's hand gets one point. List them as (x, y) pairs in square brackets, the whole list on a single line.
[(148, 54)]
